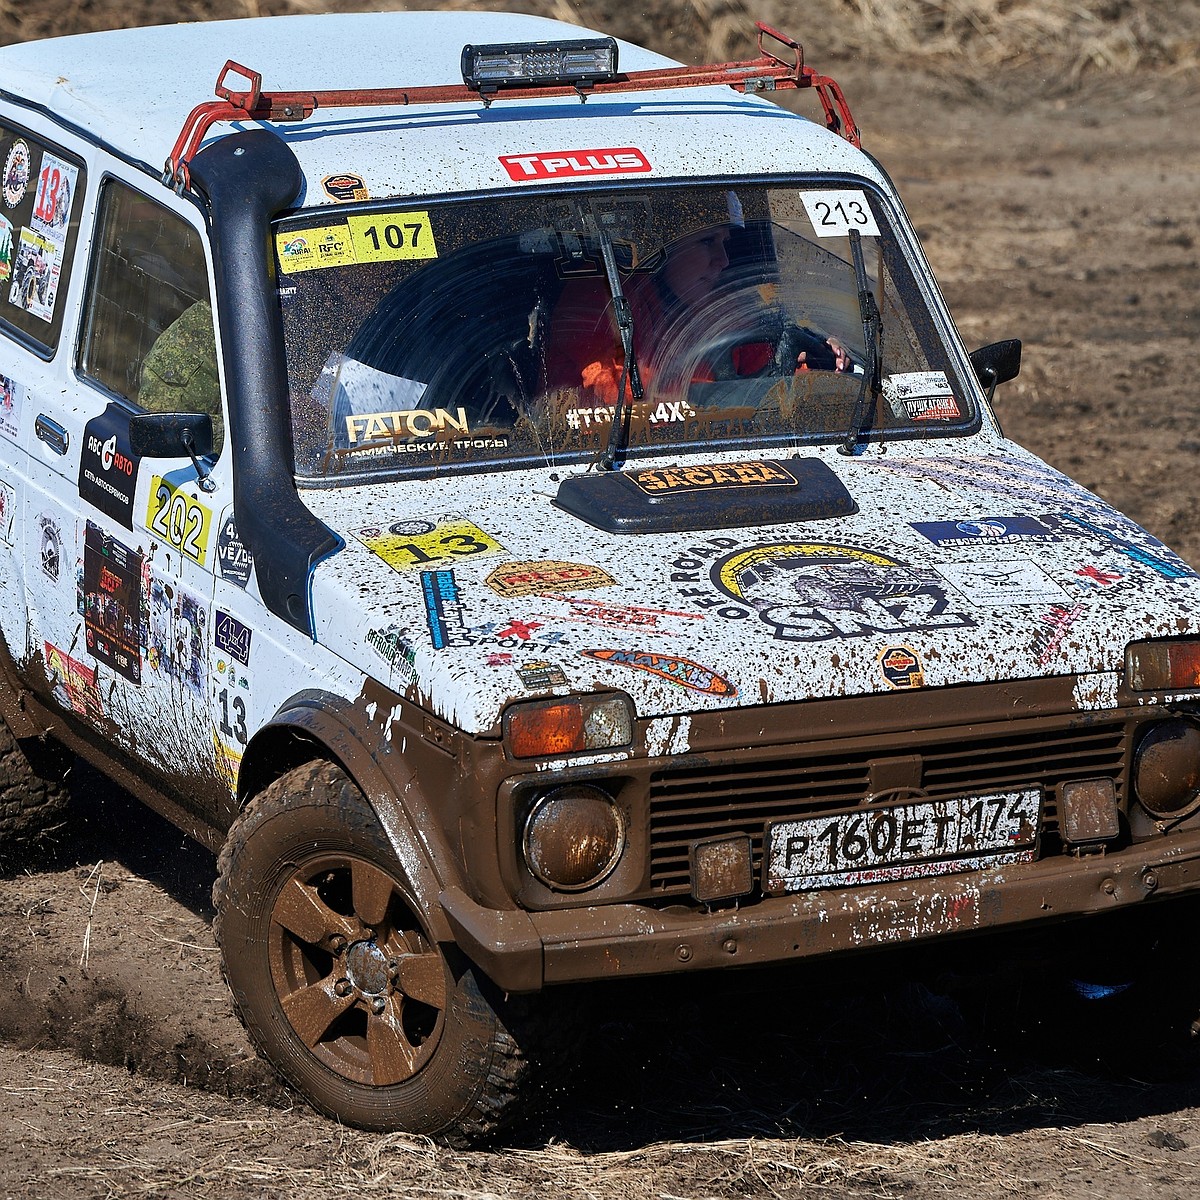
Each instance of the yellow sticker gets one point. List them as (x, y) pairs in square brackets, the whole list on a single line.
[(309, 249), (413, 544), (178, 519), (381, 237)]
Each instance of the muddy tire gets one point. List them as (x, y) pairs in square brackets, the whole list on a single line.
[(340, 985), (33, 796)]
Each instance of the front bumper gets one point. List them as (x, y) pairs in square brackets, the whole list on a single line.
[(525, 951)]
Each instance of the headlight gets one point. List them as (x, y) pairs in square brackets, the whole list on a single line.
[(575, 723), (573, 837), (1156, 666), (1166, 767)]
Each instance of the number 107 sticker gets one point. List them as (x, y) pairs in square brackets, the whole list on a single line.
[(382, 237), (834, 214)]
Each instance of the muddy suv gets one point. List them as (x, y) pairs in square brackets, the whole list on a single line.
[(532, 515)]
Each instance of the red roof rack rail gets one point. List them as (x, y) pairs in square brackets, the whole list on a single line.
[(767, 72)]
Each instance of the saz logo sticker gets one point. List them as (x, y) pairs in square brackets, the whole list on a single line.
[(812, 591), (559, 164), (682, 671)]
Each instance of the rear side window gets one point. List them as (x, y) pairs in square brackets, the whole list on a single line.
[(148, 327), (40, 201)]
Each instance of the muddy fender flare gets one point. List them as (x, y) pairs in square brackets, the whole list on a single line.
[(319, 724)]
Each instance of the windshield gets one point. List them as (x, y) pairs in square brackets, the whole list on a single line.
[(482, 332)]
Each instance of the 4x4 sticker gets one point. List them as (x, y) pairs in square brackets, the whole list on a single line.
[(562, 164), (108, 468), (179, 520), (230, 635)]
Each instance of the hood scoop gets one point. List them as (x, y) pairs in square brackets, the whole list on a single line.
[(680, 499)]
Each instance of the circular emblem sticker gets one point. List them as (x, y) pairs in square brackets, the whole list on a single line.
[(16, 174), (411, 528)]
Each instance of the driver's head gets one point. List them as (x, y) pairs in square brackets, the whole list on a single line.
[(695, 261)]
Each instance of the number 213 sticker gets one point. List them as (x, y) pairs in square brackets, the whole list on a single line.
[(834, 214)]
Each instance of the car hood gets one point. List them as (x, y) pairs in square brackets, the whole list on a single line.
[(969, 562)]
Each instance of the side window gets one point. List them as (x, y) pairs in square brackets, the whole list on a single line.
[(40, 194), (148, 326)]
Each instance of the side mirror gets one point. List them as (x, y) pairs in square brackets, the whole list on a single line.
[(171, 434), (174, 435), (996, 364)]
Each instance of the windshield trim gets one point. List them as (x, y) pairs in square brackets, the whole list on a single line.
[(882, 192)]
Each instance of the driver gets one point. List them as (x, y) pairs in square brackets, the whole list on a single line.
[(584, 347)]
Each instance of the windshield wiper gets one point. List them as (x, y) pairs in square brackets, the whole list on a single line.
[(618, 434), (872, 323)]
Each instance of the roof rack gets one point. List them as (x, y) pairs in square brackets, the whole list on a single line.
[(768, 72)]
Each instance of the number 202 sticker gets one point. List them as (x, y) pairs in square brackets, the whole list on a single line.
[(834, 214), (178, 519)]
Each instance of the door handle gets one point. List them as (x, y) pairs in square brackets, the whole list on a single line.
[(52, 433)]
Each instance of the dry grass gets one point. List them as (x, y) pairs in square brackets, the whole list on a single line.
[(1063, 40), (1082, 36)]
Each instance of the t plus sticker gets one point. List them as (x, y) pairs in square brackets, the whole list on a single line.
[(560, 164)]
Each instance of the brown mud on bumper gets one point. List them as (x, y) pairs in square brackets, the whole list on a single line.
[(524, 951)]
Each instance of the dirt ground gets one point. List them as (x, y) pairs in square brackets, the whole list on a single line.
[(1067, 217)]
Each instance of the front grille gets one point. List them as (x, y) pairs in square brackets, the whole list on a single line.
[(744, 794)]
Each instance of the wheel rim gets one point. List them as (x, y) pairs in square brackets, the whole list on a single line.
[(358, 981)]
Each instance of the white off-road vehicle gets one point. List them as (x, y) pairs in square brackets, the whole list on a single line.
[(525, 505)]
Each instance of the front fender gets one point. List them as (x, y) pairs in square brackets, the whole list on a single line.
[(362, 737)]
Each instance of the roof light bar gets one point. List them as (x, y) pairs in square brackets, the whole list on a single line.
[(581, 64)]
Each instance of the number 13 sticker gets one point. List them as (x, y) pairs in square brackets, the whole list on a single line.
[(385, 236), (834, 214)]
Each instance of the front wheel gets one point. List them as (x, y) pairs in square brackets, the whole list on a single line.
[(337, 979)]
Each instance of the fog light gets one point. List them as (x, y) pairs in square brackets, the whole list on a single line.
[(722, 869), (1089, 811), (1166, 768), (573, 837)]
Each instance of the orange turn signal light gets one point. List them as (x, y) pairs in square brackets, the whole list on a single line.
[(1155, 666), (547, 728)]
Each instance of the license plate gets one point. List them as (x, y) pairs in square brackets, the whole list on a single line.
[(902, 841)]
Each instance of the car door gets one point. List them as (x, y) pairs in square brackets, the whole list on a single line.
[(138, 535), (43, 188)]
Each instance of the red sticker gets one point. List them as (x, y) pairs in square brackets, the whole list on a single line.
[(562, 164)]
